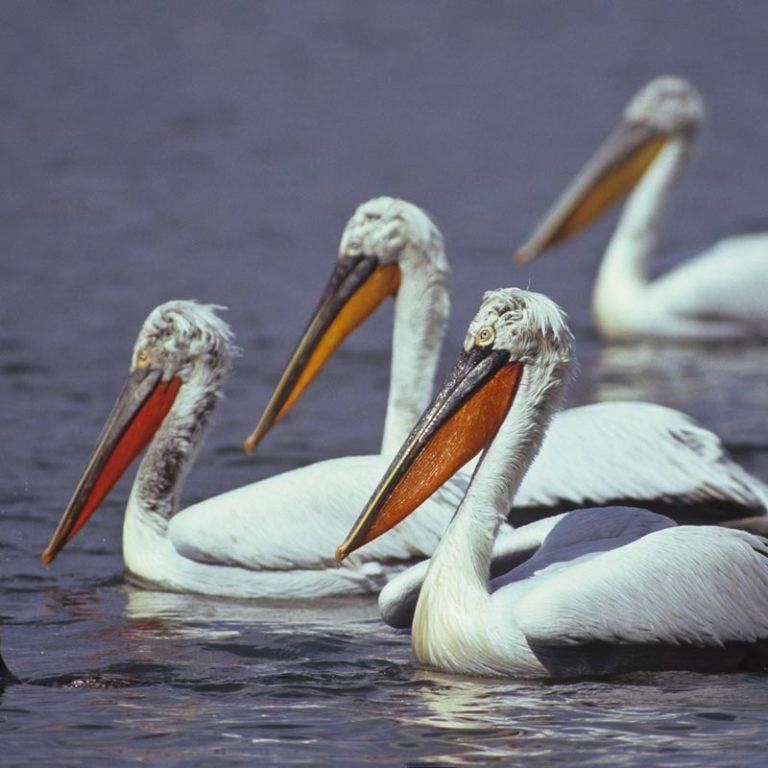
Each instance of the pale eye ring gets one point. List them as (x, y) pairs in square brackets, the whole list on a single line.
[(485, 336), (143, 357)]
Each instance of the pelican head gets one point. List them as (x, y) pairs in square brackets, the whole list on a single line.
[(186, 340), (515, 332), (664, 110), (385, 240), (668, 105), (528, 326), (182, 353), (395, 232)]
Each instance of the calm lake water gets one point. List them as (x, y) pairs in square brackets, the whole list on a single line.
[(215, 151)]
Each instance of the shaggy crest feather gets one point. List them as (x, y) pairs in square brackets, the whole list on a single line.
[(388, 228), (184, 335)]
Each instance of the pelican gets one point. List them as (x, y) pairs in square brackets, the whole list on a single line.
[(391, 248), (718, 295), (608, 591), (275, 538), (260, 540)]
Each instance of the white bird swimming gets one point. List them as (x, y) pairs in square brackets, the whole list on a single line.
[(272, 538), (391, 248), (721, 294), (607, 592), (275, 538)]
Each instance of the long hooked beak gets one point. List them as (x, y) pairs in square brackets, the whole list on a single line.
[(357, 286), (611, 172), (138, 412), (461, 422)]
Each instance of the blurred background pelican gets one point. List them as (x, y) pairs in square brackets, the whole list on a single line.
[(211, 151), (720, 294)]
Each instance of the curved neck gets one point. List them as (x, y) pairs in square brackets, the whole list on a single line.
[(466, 548), (156, 491), (421, 316), (624, 269)]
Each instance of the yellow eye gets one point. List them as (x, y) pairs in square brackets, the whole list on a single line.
[(485, 336), (143, 357)]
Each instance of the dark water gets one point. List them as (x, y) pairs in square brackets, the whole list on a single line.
[(215, 150)]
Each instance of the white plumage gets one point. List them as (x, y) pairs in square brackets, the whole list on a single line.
[(622, 452), (608, 590), (719, 294), (275, 538)]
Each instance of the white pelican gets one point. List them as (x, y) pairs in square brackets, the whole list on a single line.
[(273, 538), (391, 248), (607, 592), (720, 294)]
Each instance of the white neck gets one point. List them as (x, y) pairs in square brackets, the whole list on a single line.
[(623, 273), (454, 595), (468, 542), (421, 315)]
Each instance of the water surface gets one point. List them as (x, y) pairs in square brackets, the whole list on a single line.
[(214, 151)]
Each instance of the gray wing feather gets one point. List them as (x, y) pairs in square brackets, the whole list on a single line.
[(637, 453), (397, 600), (703, 586)]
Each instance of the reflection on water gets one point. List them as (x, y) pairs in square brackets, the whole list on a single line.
[(724, 386), (215, 154), (179, 615), (678, 714), (480, 720)]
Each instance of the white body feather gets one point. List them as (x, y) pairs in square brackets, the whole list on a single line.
[(276, 537), (606, 592), (719, 294)]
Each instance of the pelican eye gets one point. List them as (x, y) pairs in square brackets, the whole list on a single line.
[(143, 357), (485, 336)]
